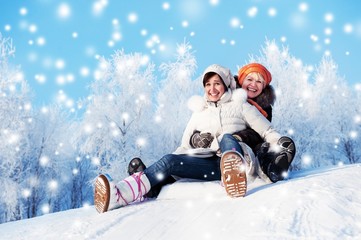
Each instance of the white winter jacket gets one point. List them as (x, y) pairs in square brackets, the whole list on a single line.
[(230, 114)]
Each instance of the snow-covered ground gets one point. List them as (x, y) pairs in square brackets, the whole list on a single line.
[(319, 204)]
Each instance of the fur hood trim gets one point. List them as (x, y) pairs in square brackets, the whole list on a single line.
[(196, 103), (266, 98), (239, 95)]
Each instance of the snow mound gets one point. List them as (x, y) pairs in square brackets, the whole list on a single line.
[(186, 189), (318, 204)]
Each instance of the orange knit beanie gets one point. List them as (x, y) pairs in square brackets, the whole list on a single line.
[(254, 67)]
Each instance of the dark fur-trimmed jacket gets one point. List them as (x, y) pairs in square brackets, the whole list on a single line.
[(265, 100)]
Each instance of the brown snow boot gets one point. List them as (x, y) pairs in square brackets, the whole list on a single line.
[(233, 170)]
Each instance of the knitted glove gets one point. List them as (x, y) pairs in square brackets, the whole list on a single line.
[(201, 140)]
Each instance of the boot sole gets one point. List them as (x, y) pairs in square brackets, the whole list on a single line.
[(277, 170), (102, 194), (286, 155), (233, 175), (289, 149)]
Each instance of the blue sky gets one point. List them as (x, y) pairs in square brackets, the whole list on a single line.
[(58, 42)]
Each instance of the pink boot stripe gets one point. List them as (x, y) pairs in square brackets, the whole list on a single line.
[(131, 188), (138, 181), (121, 196)]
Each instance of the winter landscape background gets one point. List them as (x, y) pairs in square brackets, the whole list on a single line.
[(134, 106)]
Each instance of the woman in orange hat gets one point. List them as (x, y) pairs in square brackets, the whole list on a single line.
[(255, 79)]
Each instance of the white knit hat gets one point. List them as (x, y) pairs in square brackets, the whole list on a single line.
[(224, 73)]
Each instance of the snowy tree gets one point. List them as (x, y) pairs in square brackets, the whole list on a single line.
[(81, 192), (172, 112), (118, 121), (14, 114), (48, 174), (357, 119), (336, 127), (83, 171)]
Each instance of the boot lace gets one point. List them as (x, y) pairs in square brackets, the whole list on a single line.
[(140, 183)]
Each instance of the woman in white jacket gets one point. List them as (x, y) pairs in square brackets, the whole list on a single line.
[(221, 112)]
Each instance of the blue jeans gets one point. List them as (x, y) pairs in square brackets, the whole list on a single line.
[(229, 142), (186, 166)]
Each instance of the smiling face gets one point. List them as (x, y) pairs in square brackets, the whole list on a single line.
[(253, 84), (214, 88)]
